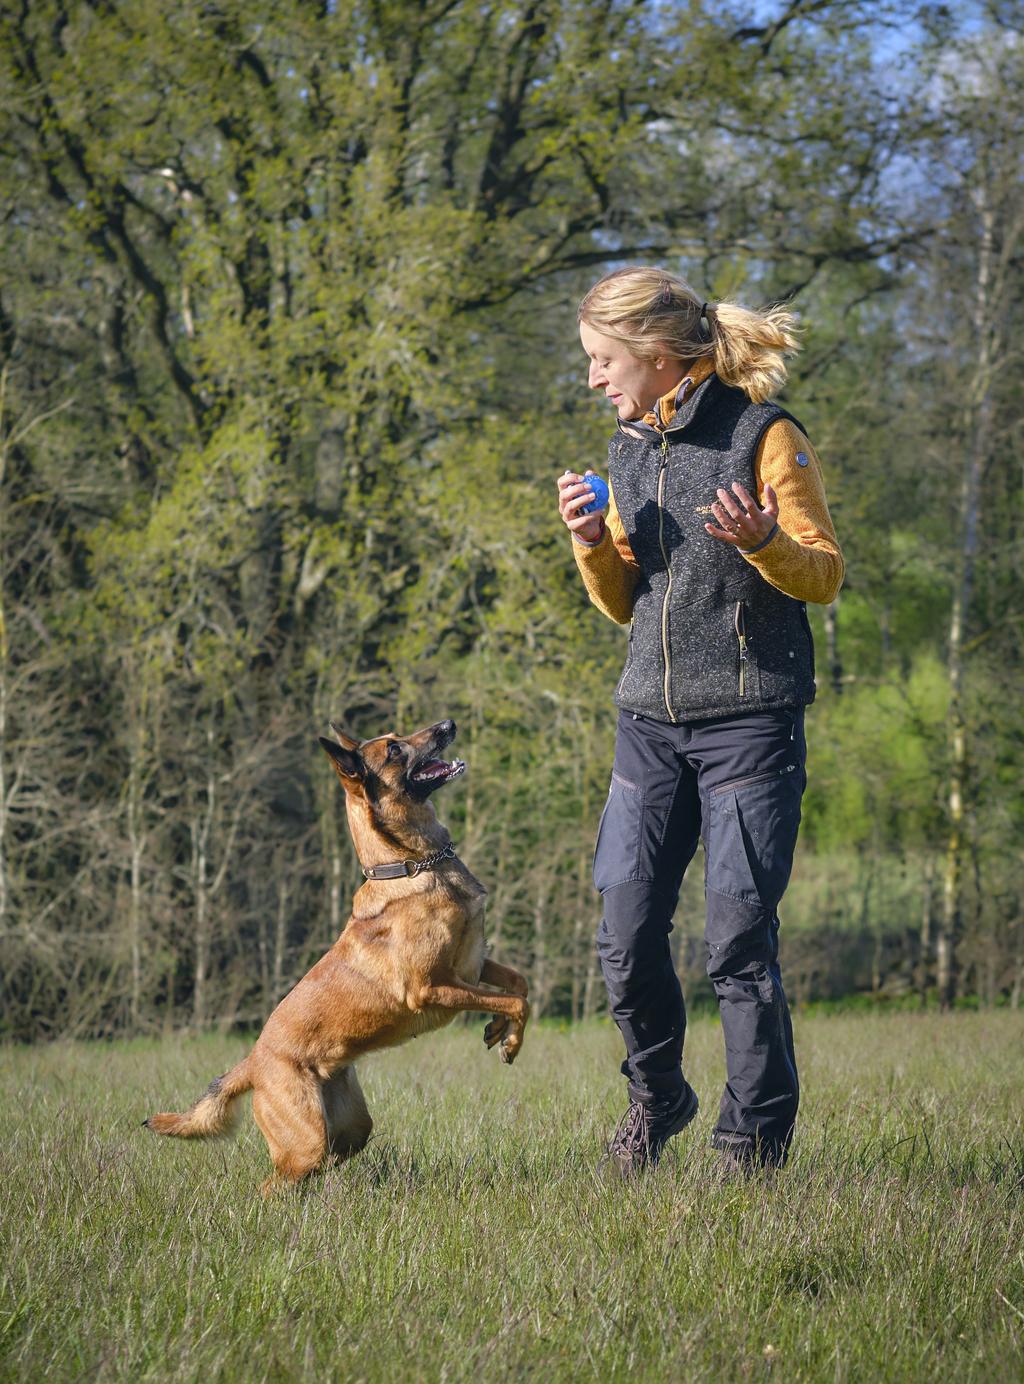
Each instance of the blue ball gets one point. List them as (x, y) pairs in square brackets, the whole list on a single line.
[(600, 499)]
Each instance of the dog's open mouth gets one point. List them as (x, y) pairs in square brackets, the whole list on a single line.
[(436, 771)]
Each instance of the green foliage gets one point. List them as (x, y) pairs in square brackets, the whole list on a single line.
[(889, 798), (289, 368)]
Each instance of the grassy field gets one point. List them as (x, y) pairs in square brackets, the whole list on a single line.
[(474, 1239)]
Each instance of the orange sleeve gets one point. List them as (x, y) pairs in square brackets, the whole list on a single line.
[(609, 570), (802, 558)]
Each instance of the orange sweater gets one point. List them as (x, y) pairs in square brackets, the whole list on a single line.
[(803, 558)]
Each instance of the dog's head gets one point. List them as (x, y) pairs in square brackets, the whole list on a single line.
[(391, 769)]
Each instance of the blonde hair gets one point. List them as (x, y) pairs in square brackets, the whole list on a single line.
[(654, 313)]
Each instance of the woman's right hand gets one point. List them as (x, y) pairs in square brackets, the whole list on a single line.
[(573, 494)]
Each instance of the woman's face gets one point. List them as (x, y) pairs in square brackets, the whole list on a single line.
[(632, 385)]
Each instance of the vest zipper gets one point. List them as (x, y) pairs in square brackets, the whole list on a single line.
[(666, 690), (741, 635)]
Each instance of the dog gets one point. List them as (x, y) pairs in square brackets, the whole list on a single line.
[(410, 958)]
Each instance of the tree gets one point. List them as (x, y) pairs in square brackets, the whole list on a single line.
[(300, 282)]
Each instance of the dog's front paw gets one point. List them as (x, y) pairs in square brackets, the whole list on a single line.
[(510, 1046), (496, 1030)]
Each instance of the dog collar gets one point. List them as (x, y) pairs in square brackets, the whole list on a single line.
[(401, 869)]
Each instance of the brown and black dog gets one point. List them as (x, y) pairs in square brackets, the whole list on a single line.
[(410, 958)]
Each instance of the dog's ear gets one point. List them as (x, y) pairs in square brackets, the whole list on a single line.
[(348, 742), (347, 761)]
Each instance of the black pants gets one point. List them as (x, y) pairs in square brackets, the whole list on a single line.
[(737, 782)]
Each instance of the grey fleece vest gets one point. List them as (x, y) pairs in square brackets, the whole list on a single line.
[(710, 637)]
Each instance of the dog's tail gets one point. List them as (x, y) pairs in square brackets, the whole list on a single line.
[(214, 1114)]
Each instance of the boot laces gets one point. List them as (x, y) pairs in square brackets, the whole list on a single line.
[(632, 1134)]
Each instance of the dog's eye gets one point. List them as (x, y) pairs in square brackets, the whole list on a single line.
[(394, 750)]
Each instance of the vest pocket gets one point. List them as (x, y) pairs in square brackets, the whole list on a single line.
[(781, 666), (617, 851), (627, 667)]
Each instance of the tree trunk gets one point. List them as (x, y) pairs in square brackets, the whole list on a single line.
[(280, 939), (268, 1002), (3, 656), (3, 776), (979, 431), (541, 960), (200, 831), (582, 943), (335, 897), (576, 961), (925, 949), (866, 924), (136, 846)]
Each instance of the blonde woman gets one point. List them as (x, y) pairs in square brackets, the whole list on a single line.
[(716, 533)]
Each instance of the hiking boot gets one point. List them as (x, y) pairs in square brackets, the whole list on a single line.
[(644, 1131), (742, 1160)]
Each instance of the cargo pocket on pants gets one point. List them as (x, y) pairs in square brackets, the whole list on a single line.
[(752, 835), (617, 852)]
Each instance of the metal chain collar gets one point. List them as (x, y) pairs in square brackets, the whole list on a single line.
[(401, 869)]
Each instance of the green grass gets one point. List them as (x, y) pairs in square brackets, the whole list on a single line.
[(473, 1239)]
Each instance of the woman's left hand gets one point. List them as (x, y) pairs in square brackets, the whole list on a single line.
[(744, 525)]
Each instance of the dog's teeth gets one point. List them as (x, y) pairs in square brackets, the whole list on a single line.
[(439, 770)]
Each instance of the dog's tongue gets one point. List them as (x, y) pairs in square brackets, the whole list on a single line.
[(436, 769), (432, 768)]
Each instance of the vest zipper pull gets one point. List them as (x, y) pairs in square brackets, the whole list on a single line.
[(741, 635)]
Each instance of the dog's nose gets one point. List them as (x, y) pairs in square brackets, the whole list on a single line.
[(447, 727)]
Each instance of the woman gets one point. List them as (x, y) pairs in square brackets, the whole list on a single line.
[(716, 533)]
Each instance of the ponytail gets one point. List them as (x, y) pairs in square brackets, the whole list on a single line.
[(750, 347), (651, 311)]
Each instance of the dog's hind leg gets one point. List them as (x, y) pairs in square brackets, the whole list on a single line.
[(286, 1106), (345, 1113)]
